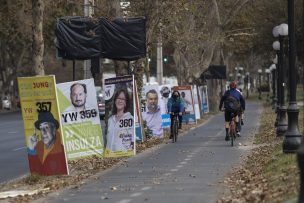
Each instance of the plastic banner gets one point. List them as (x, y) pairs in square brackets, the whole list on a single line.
[(165, 93), (42, 125), (196, 103), (80, 119), (205, 103), (138, 118), (152, 114), (120, 133), (187, 97)]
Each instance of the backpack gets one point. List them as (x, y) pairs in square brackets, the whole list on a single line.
[(231, 104)]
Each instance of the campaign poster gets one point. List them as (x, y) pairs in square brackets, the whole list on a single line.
[(165, 94), (205, 103), (152, 114), (188, 101), (196, 103), (138, 117), (42, 125), (120, 128), (80, 119)]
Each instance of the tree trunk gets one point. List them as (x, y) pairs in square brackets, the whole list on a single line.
[(38, 43)]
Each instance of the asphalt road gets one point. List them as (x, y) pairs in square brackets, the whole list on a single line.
[(190, 170), (13, 153)]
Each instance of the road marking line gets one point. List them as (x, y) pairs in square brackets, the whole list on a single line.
[(183, 162), (174, 170), (187, 159), (18, 148), (189, 156), (146, 188), (125, 201), (179, 166), (136, 194), (13, 132)]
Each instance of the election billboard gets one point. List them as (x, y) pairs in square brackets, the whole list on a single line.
[(80, 119), (152, 114), (120, 127), (42, 125), (188, 101)]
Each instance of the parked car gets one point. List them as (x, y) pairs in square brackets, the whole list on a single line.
[(6, 103), (101, 105)]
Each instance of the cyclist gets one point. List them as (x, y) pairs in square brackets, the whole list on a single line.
[(233, 103), (175, 105)]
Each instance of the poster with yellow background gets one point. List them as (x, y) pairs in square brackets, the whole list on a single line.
[(42, 125)]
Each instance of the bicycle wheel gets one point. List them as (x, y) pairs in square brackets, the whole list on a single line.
[(232, 139), (232, 133), (174, 131)]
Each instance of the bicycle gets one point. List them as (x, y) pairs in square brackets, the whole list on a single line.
[(174, 129), (232, 129)]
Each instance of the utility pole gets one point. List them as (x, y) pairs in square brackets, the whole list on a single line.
[(160, 61), (88, 12), (159, 68)]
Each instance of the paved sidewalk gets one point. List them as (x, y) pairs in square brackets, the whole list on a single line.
[(190, 170)]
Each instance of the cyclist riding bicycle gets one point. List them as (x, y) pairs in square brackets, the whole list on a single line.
[(233, 103), (175, 105)]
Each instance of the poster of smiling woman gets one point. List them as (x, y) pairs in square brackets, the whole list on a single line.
[(120, 128)]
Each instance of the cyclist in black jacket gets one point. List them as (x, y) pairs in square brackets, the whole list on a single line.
[(233, 103)]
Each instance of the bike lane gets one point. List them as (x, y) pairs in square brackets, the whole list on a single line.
[(190, 170)]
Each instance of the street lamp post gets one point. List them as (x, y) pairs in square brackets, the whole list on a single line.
[(301, 166), (230, 77), (293, 137), (273, 76), (267, 71), (281, 31), (236, 72), (238, 78), (276, 47), (260, 85), (247, 85)]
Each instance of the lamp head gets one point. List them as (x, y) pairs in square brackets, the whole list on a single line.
[(276, 45), (283, 30), (275, 31), (272, 67)]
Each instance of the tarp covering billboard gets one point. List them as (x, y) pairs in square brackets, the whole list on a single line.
[(214, 72), (82, 38), (80, 119), (42, 125), (120, 133)]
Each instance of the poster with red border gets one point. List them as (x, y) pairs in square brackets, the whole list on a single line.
[(188, 100)]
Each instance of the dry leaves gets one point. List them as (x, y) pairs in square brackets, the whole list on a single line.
[(265, 176), (80, 170)]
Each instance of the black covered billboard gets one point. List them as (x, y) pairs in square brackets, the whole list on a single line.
[(214, 72), (84, 38)]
